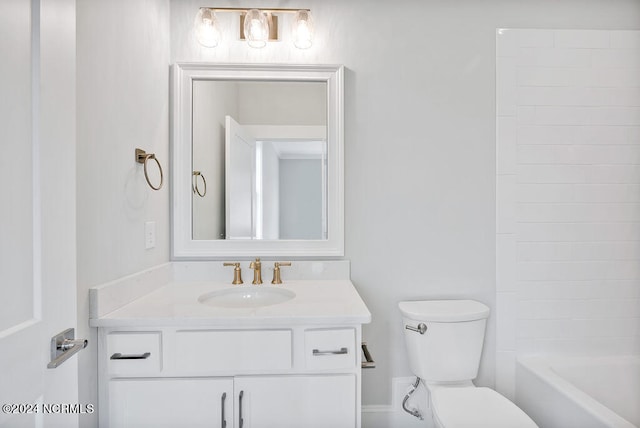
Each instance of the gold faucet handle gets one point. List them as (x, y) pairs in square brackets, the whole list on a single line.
[(276, 272), (237, 272)]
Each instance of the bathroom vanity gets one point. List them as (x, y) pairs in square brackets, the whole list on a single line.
[(207, 353), (180, 346)]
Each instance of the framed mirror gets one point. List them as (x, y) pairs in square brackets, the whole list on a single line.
[(257, 157)]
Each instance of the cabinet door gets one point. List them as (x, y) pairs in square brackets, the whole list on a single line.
[(296, 401), (195, 402)]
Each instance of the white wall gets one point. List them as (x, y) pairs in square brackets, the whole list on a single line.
[(122, 103), (419, 142), (568, 194)]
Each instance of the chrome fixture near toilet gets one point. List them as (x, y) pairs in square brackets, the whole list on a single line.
[(444, 341)]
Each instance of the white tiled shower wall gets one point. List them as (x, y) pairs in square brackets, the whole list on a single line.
[(568, 194)]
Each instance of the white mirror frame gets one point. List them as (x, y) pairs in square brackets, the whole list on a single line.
[(184, 247)]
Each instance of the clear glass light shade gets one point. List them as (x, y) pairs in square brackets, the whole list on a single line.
[(206, 27), (302, 31), (256, 28)]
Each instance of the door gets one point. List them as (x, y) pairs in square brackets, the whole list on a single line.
[(37, 219), (240, 181), (296, 401), (171, 403)]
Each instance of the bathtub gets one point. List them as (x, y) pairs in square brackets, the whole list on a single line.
[(580, 392)]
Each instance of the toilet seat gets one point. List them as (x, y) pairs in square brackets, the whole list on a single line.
[(476, 407)]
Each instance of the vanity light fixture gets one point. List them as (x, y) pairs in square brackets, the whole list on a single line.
[(257, 26), (207, 28)]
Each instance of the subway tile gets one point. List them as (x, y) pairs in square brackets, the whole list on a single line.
[(553, 96), (578, 154), (626, 40), (606, 193), (578, 251), (615, 58), (581, 193), (589, 346), (614, 78), (577, 232), (526, 115), (553, 57), (572, 289), (545, 309), (595, 39), (505, 203), (551, 174), (613, 174), (579, 174), (577, 213), (590, 270), (606, 308), (544, 192), (506, 145), (578, 239), (545, 76), (505, 262), (561, 134), (623, 97), (605, 327), (623, 116), (506, 307), (534, 38), (563, 115), (544, 329), (577, 96)]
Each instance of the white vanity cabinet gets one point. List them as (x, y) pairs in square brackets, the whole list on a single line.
[(262, 377), (169, 402)]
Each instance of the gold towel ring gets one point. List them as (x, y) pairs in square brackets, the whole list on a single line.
[(142, 157), (195, 188)]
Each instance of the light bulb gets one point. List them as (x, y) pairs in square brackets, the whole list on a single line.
[(303, 29), (256, 28), (207, 29)]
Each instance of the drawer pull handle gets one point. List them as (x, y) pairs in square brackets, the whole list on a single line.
[(341, 351), (240, 420), (119, 356), (223, 424)]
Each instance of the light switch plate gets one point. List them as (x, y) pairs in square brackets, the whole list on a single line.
[(149, 234)]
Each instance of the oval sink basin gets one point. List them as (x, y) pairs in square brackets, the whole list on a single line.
[(246, 297)]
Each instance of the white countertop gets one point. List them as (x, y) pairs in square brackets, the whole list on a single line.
[(317, 302)]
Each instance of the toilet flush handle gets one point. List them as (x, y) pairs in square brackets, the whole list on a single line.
[(421, 328)]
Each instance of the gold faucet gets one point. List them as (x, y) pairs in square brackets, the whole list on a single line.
[(237, 273), (276, 271), (257, 271)]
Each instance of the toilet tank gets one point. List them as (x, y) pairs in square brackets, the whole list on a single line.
[(450, 348)]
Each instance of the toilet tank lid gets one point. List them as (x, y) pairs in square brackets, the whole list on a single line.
[(444, 310)]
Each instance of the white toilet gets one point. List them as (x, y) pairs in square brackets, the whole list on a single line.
[(444, 341)]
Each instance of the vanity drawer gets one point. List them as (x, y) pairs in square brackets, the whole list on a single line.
[(215, 351), (330, 348), (134, 353)]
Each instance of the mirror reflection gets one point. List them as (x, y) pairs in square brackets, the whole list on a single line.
[(261, 146)]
